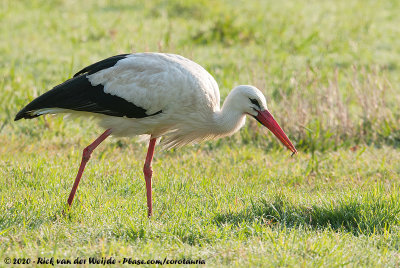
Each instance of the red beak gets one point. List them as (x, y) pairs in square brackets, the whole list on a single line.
[(266, 119)]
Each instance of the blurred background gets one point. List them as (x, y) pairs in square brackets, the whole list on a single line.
[(330, 70)]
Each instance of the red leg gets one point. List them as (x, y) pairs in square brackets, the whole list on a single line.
[(85, 158), (148, 172)]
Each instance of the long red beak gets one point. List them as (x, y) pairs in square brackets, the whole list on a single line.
[(266, 119)]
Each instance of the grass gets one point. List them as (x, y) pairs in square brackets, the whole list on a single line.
[(330, 74)]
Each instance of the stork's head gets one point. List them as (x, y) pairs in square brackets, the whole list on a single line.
[(251, 101)]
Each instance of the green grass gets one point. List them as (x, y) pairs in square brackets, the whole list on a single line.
[(330, 71)]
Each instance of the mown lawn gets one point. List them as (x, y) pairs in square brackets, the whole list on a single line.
[(330, 71)]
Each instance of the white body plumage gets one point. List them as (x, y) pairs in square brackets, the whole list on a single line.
[(185, 92)]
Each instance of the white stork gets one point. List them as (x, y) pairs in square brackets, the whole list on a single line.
[(155, 94)]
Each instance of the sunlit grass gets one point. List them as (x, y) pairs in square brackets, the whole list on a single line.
[(224, 205)]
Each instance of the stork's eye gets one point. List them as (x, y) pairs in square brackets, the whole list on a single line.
[(255, 102)]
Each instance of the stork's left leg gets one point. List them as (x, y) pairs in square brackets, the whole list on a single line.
[(148, 172), (87, 152)]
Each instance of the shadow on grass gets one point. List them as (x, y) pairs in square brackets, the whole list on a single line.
[(362, 215)]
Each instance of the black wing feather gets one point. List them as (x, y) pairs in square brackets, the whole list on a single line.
[(104, 64), (78, 94)]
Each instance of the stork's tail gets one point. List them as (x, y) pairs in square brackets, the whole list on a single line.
[(35, 113), (44, 104), (59, 99), (79, 95)]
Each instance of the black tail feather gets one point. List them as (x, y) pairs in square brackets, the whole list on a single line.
[(65, 95), (78, 94)]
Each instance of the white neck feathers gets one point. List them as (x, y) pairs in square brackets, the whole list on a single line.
[(229, 120)]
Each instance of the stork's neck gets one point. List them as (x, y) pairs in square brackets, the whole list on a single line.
[(229, 119)]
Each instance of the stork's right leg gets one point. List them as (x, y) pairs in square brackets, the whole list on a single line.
[(85, 158), (148, 173)]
